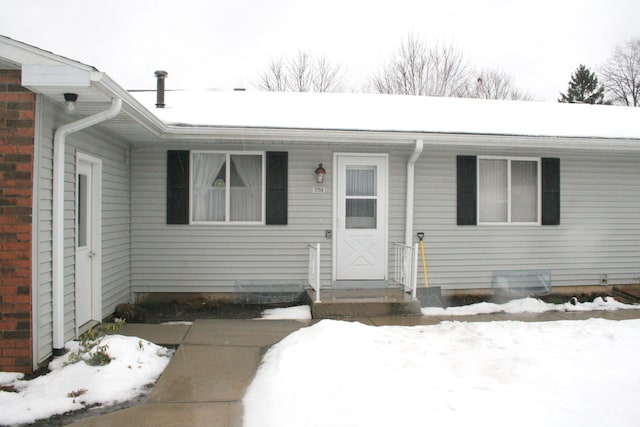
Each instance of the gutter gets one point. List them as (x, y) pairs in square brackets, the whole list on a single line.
[(59, 142), (408, 221)]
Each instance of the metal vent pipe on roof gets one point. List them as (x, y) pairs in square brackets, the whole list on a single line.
[(160, 75)]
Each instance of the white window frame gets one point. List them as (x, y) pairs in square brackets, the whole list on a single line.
[(227, 214), (509, 160)]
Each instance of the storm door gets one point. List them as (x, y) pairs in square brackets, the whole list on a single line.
[(361, 217)]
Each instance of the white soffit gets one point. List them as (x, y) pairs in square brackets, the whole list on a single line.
[(37, 75)]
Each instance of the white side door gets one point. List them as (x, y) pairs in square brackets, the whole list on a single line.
[(361, 217), (88, 263)]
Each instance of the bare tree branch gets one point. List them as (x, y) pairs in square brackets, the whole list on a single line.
[(417, 69), (494, 84), (274, 78), (621, 74), (327, 76), (301, 73), (450, 72)]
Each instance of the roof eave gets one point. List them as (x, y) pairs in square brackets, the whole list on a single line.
[(390, 137)]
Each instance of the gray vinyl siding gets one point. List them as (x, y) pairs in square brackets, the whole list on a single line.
[(599, 229), (212, 258), (116, 214), (42, 233), (115, 226)]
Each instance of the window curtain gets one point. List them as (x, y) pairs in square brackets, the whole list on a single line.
[(361, 181), (208, 202), (493, 190), (361, 192), (524, 191), (246, 188)]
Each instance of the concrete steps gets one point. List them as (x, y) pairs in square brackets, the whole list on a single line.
[(346, 303)]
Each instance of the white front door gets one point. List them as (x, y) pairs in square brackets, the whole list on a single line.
[(88, 264), (361, 217)]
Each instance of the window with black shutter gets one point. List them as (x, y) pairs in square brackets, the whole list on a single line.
[(508, 190), (226, 187)]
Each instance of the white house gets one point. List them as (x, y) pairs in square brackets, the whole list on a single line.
[(106, 198)]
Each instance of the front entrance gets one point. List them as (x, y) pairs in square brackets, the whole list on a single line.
[(361, 217), (88, 261)]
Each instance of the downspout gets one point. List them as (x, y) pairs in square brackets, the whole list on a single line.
[(59, 141), (408, 221)]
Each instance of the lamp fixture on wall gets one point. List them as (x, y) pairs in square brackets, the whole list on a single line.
[(70, 102), (320, 173)]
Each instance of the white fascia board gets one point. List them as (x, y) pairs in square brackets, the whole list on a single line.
[(138, 112), (39, 75), (319, 136)]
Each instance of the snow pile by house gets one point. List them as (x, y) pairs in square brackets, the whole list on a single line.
[(456, 373), (299, 312), (68, 387), (522, 305), (528, 305)]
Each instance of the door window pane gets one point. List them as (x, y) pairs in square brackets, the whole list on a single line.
[(524, 191), (82, 210), (493, 190), (361, 181), (361, 213), (361, 196)]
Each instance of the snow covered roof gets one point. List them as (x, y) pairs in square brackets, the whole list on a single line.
[(392, 113)]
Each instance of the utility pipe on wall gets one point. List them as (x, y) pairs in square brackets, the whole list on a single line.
[(408, 221), (59, 142)]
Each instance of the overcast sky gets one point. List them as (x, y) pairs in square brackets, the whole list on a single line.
[(227, 44)]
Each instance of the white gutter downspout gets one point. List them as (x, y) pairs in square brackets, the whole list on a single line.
[(408, 221), (59, 141)]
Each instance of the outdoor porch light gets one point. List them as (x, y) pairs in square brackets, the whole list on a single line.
[(70, 102), (320, 172)]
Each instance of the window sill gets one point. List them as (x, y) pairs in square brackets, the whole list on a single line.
[(509, 224), (224, 224)]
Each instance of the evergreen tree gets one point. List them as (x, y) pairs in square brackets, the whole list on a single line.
[(584, 88)]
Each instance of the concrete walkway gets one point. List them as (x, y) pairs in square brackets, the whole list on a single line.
[(216, 360)]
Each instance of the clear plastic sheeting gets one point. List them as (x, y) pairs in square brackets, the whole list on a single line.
[(522, 282), (270, 292)]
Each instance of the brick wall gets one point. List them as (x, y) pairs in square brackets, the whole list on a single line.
[(17, 124)]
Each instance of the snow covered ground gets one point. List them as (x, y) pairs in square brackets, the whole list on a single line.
[(135, 363), (455, 373), (497, 373), (528, 305), (561, 373), (522, 305)]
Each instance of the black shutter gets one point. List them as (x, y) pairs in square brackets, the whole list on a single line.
[(550, 191), (277, 184), (177, 187), (467, 190)]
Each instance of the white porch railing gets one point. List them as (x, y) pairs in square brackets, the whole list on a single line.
[(314, 268), (406, 264)]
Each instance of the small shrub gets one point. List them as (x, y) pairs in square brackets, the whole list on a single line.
[(76, 393), (90, 340), (99, 357)]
